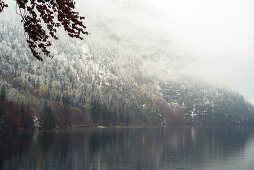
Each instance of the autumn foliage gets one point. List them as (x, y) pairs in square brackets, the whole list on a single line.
[(15, 117), (41, 18)]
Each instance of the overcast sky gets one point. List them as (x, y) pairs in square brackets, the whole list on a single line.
[(217, 34)]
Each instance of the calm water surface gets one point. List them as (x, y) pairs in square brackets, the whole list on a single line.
[(130, 149)]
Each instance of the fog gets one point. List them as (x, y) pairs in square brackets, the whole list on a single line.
[(216, 38)]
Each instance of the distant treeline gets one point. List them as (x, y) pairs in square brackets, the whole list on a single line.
[(16, 117)]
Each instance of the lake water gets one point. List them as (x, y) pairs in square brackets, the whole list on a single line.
[(130, 149)]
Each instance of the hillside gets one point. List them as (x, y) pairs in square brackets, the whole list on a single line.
[(93, 83)]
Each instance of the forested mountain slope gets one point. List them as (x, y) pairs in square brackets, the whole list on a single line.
[(93, 83)]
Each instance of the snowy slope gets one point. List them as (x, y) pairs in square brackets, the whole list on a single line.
[(140, 84)]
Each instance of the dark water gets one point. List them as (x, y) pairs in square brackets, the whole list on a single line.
[(131, 149)]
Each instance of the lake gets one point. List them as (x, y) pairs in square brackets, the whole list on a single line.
[(130, 149)]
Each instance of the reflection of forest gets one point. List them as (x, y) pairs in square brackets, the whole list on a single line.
[(128, 148)]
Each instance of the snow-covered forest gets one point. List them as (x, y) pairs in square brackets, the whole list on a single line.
[(88, 83), (109, 79)]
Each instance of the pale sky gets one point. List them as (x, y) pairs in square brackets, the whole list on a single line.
[(219, 34)]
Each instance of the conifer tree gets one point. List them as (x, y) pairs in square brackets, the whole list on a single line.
[(48, 117), (95, 111), (3, 94)]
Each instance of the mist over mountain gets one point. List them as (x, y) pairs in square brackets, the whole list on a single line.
[(124, 73), (215, 38)]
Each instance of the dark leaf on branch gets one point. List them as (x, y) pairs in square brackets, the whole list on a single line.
[(52, 13)]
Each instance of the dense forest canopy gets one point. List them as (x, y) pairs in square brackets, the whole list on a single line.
[(41, 18)]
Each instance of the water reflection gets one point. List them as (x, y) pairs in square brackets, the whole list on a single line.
[(130, 148)]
